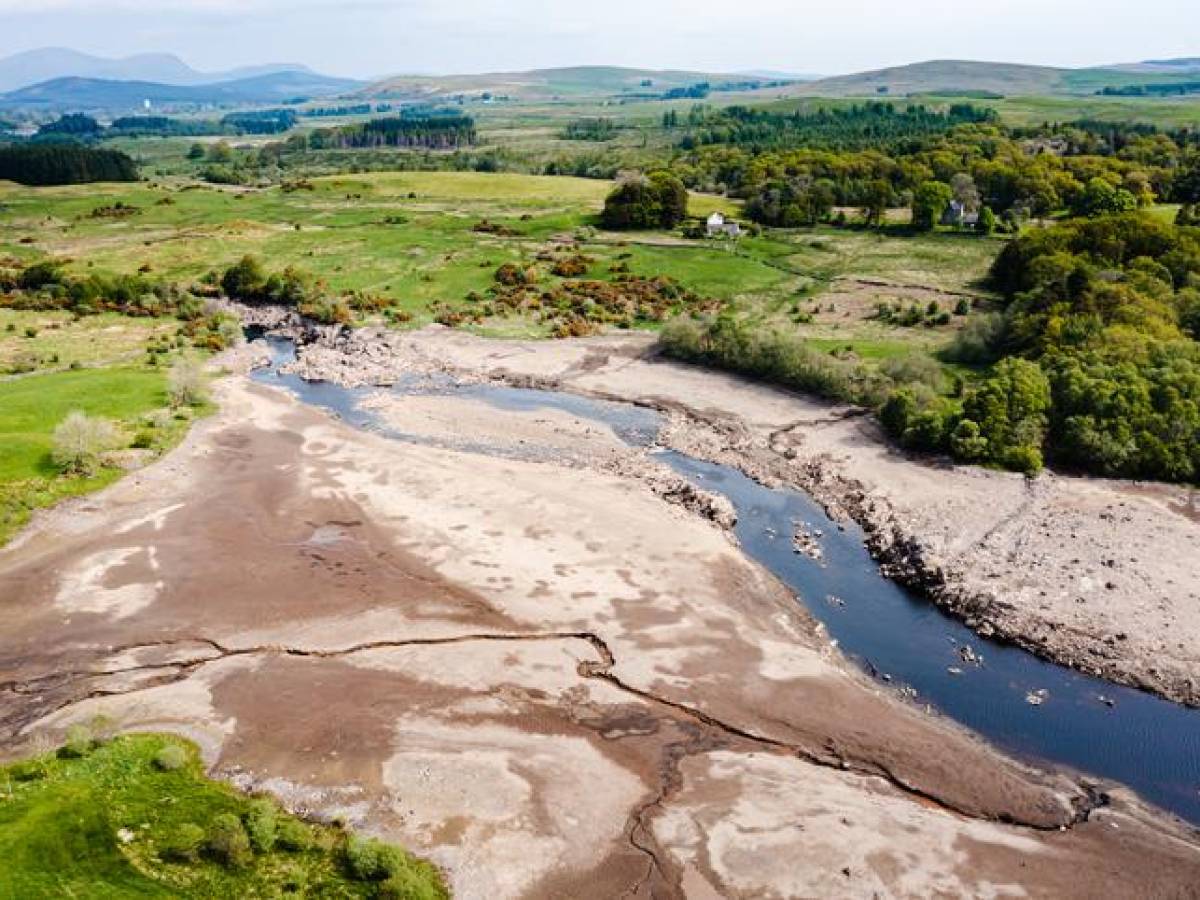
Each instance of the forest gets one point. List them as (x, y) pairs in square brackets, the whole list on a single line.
[(47, 164), (873, 124), (438, 132)]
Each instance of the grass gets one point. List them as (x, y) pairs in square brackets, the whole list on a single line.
[(31, 406), (61, 340), (99, 825)]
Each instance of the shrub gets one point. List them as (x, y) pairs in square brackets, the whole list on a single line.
[(914, 369), (78, 743), (184, 843), (409, 885), (294, 835), (228, 842), (373, 860), (170, 758), (260, 822), (79, 442), (185, 383), (967, 442)]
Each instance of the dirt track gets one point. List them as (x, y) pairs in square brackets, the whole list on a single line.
[(541, 674)]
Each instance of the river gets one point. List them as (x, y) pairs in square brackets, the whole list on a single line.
[(1112, 732)]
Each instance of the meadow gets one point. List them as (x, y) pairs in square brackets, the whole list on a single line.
[(414, 238), (135, 816)]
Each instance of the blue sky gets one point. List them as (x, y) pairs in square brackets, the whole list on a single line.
[(376, 37)]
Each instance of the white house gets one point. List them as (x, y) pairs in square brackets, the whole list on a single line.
[(718, 225)]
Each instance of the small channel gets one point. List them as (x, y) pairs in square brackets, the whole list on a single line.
[(1112, 732)]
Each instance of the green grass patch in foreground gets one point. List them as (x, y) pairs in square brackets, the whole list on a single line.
[(135, 816)]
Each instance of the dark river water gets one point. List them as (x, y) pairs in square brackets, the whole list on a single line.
[(1112, 732)]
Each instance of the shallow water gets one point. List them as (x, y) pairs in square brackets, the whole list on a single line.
[(1145, 742)]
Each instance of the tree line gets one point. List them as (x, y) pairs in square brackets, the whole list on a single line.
[(48, 164), (873, 124), (436, 132)]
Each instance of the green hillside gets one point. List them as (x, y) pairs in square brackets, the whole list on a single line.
[(946, 76)]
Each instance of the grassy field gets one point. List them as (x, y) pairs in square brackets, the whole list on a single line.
[(410, 237), (56, 340), (135, 816), (132, 395)]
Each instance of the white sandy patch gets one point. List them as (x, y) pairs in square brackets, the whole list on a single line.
[(772, 826), (784, 661), (82, 589), (518, 796), (158, 519), (183, 707)]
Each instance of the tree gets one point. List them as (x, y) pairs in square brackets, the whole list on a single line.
[(965, 192), (638, 201), (1101, 198), (1010, 410), (244, 280), (79, 442), (876, 199), (196, 151), (929, 202), (987, 221), (220, 153)]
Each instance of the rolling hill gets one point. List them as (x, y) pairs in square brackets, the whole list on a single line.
[(547, 84), (953, 76)]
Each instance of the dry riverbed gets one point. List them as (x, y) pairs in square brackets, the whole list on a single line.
[(1095, 574), (508, 646)]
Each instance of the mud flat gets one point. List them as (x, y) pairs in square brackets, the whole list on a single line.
[(1098, 575), (537, 671)]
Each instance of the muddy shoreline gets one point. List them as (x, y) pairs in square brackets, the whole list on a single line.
[(541, 674), (1107, 647)]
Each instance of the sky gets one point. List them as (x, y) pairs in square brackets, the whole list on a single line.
[(367, 38)]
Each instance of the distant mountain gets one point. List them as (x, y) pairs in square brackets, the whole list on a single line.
[(546, 84), (96, 94), (36, 66), (966, 76), (1187, 65)]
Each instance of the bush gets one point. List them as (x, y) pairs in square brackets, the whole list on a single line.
[(412, 885), (185, 383), (171, 758), (227, 841), (373, 860), (78, 743), (184, 843), (260, 822), (914, 369), (293, 835), (80, 441)]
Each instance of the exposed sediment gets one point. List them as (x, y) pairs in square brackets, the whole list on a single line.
[(1094, 574), (531, 669)]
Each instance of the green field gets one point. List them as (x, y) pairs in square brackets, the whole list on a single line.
[(109, 819), (51, 364), (410, 237)]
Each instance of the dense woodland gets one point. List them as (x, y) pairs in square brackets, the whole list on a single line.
[(836, 128), (65, 163), (438, 132), (1016, 175)]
